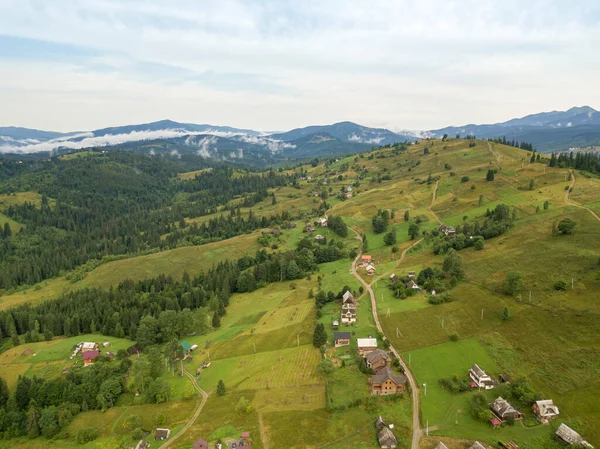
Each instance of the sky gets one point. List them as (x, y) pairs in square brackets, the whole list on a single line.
[(70, 65)]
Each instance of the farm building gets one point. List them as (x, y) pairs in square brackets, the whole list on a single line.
[(495, 422), (386, 438), (89, 346), (510, 444), (335, 324), (441, 445), (380, 423), (377, 359), (366, 345), (89, 357), (447, 230), (477, 445), (370, 269), (480, 378), (200, 444), (309, 228), (142, 445), (341, 339), (319, 238), (385, 382), (413, 285), (322, 222), (412, 274), (545, 410), (292, 225), (569, 436), (393, 277), (503, 410), (162, 434), (365, 258)]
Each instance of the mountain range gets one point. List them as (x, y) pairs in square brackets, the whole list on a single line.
[(547, 131)]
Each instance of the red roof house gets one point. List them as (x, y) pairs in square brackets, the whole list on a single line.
[(366, 258), (89, 356), (495, 422), (245, 434)]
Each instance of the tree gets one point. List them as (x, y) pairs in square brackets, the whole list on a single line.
[(531, 184), (413, 231), (490, 175), (406, 215), (513, 283), (33, 416), (274, 200), (221, 388), (216, 321), (365, 242), (390, 238), (464, 179), (147, 331), (49, 422), (319, 335), (566, 226), (480, 202), (546, 205), (453, 264), (7, 231), (479, 244), (325, 367), (379, 224), (505, 314), (293, 271), (4, 393)]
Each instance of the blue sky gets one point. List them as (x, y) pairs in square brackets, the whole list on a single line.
[(273, 65)]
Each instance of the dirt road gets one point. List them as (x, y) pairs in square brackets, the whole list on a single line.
[(571, 203)]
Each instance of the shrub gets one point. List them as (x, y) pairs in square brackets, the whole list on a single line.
[(560, 285), (453, 337), (86, 434), (464, 179)]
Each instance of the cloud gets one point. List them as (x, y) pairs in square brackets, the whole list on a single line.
[(205, 145), (273, 145)]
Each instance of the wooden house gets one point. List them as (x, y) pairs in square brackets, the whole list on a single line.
[(477, 445), (545, 410), (366, 345), (386, 438), (510, 444), (370, 269), (386, 382), (377, 359), (89, 357), (142, 445), (480, 378), (335, 324), (322, 222), (447, 230), (495, 423), (413, 285), (503, 410), (162, 434), (309, 228), (348, 314), (200, 444), (89, 346), (380, 423), (441, 445), (393, 277), (341, 339), (412, 274), (319, 238)]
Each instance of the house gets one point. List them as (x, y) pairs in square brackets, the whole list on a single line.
[(377, 359), (386, 438), (569, 436), (319, 238), (142, 445), (480, 377), (413, 285), (441, 445), (347, 297), (348, 316), (510, 444), (385, 382), (341, 339), (322, 222), (365, 258), (273, 231), (380, 423), (477, 445), (89, 356), (503, 410), (393, 277), (309, 228), (495, 423), (348, 189), (292, 225), (89, 346), (200, 444), (545, 410), (412, 274), (447, 230), (162, 434), (366, 345), (370, 270), (348, 195), (335, 324), (106, 344)]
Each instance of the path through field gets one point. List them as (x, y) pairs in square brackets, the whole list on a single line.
[(568, 201), (195, 415), (411, 379), (437, 183), (263, 432)]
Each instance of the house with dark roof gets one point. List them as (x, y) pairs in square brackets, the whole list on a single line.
[(380, 423), (503, 410), (545, 410), (341, 339), (447, 230), (348, 314), (413, 285), (377, 359), (569, 436), (386, 438), (393, 277), (142, 445), (385, 382)]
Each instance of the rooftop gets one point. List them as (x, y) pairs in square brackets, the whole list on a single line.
[(366, 342), (341, 336)]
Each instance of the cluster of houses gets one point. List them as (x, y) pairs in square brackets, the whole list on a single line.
[(348, 192), (89, 351), (385, 381), (367, 264), (311, 227), (162, 434), (410, 283)]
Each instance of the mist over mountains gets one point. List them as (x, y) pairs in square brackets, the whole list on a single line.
[(548, 131)]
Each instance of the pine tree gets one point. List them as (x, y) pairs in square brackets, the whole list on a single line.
[(406, 215), (319, 336), (7, 231), (490, 175), (33, 417), (221, 388), (480, 200), (216, 321), (531, 184), (505, 314)]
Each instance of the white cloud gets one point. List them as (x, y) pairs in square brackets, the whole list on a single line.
[(396, 64)]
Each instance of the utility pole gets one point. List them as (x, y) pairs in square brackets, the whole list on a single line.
[(254, 344), (425, 386), (409, 354), (572, 283), (442, 323), (427, 429), (298, 339), (482, 314), (529, 296)]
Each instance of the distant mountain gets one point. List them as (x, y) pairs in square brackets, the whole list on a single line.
[(14, 133), (164, 125), (346, 132), (547, 131)]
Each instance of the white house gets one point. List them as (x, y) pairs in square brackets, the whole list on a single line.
[(323, 222), (366, 345), (89, 346), (545, 410), (480, 378)]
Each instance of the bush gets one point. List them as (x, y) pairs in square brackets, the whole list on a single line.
[(464, 179), (86, 434), (453, 337), (560, 285)]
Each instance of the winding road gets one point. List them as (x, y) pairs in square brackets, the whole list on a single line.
[(571, 203), (437, 183), (194, 416), (411, 379)]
